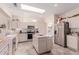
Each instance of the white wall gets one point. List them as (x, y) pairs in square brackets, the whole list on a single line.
[(3, 18), (50, 22), (39, 24), (5, 8), (24, 22), (23, 15), (42, 26), (73, 22)]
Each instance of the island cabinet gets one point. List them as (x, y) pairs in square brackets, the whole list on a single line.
[(4, 47)]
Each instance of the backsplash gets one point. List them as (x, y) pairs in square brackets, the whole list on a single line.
[(74, 29)]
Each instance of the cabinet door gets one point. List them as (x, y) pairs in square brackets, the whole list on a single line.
[(49, 43), (42, 46), (5, 50), (72, 42), (22, 37)]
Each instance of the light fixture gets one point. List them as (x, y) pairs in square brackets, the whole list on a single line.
[(34, 20), (55, 5), (30, 8)]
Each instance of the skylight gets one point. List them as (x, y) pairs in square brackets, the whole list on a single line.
[(30, 8)]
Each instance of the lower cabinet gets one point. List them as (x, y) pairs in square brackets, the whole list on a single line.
[(5, 50), (4, 47), (73, 42), (22, 37)]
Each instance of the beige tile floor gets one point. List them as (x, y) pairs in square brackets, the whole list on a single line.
[(26, 48)]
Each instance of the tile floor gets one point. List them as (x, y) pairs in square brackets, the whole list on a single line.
[(26, 48)]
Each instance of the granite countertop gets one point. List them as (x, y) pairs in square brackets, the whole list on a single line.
[(11, 36)]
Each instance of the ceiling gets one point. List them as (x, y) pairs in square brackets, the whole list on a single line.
[(49, 7)]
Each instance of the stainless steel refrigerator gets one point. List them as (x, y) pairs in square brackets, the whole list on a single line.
[(62, 29)]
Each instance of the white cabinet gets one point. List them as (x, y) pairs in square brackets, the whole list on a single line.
[(73, 42), (5, 47), (6, 44), (42, 44), (22, 37), (5, 50)]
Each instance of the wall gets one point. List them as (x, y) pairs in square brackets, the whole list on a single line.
[(23, 15), (24, 22), (5, 8), (73, 22), (39, 24), (42, 26), (50, 23), (4, 18)]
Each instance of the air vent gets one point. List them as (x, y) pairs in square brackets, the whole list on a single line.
[(15, 4)]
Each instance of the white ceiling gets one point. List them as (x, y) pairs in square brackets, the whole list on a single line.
[(49, 7)]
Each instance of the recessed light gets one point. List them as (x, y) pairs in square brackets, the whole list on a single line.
[(55, 5), (34, 20)]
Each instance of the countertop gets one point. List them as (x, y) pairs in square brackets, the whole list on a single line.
[(11, 36)]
